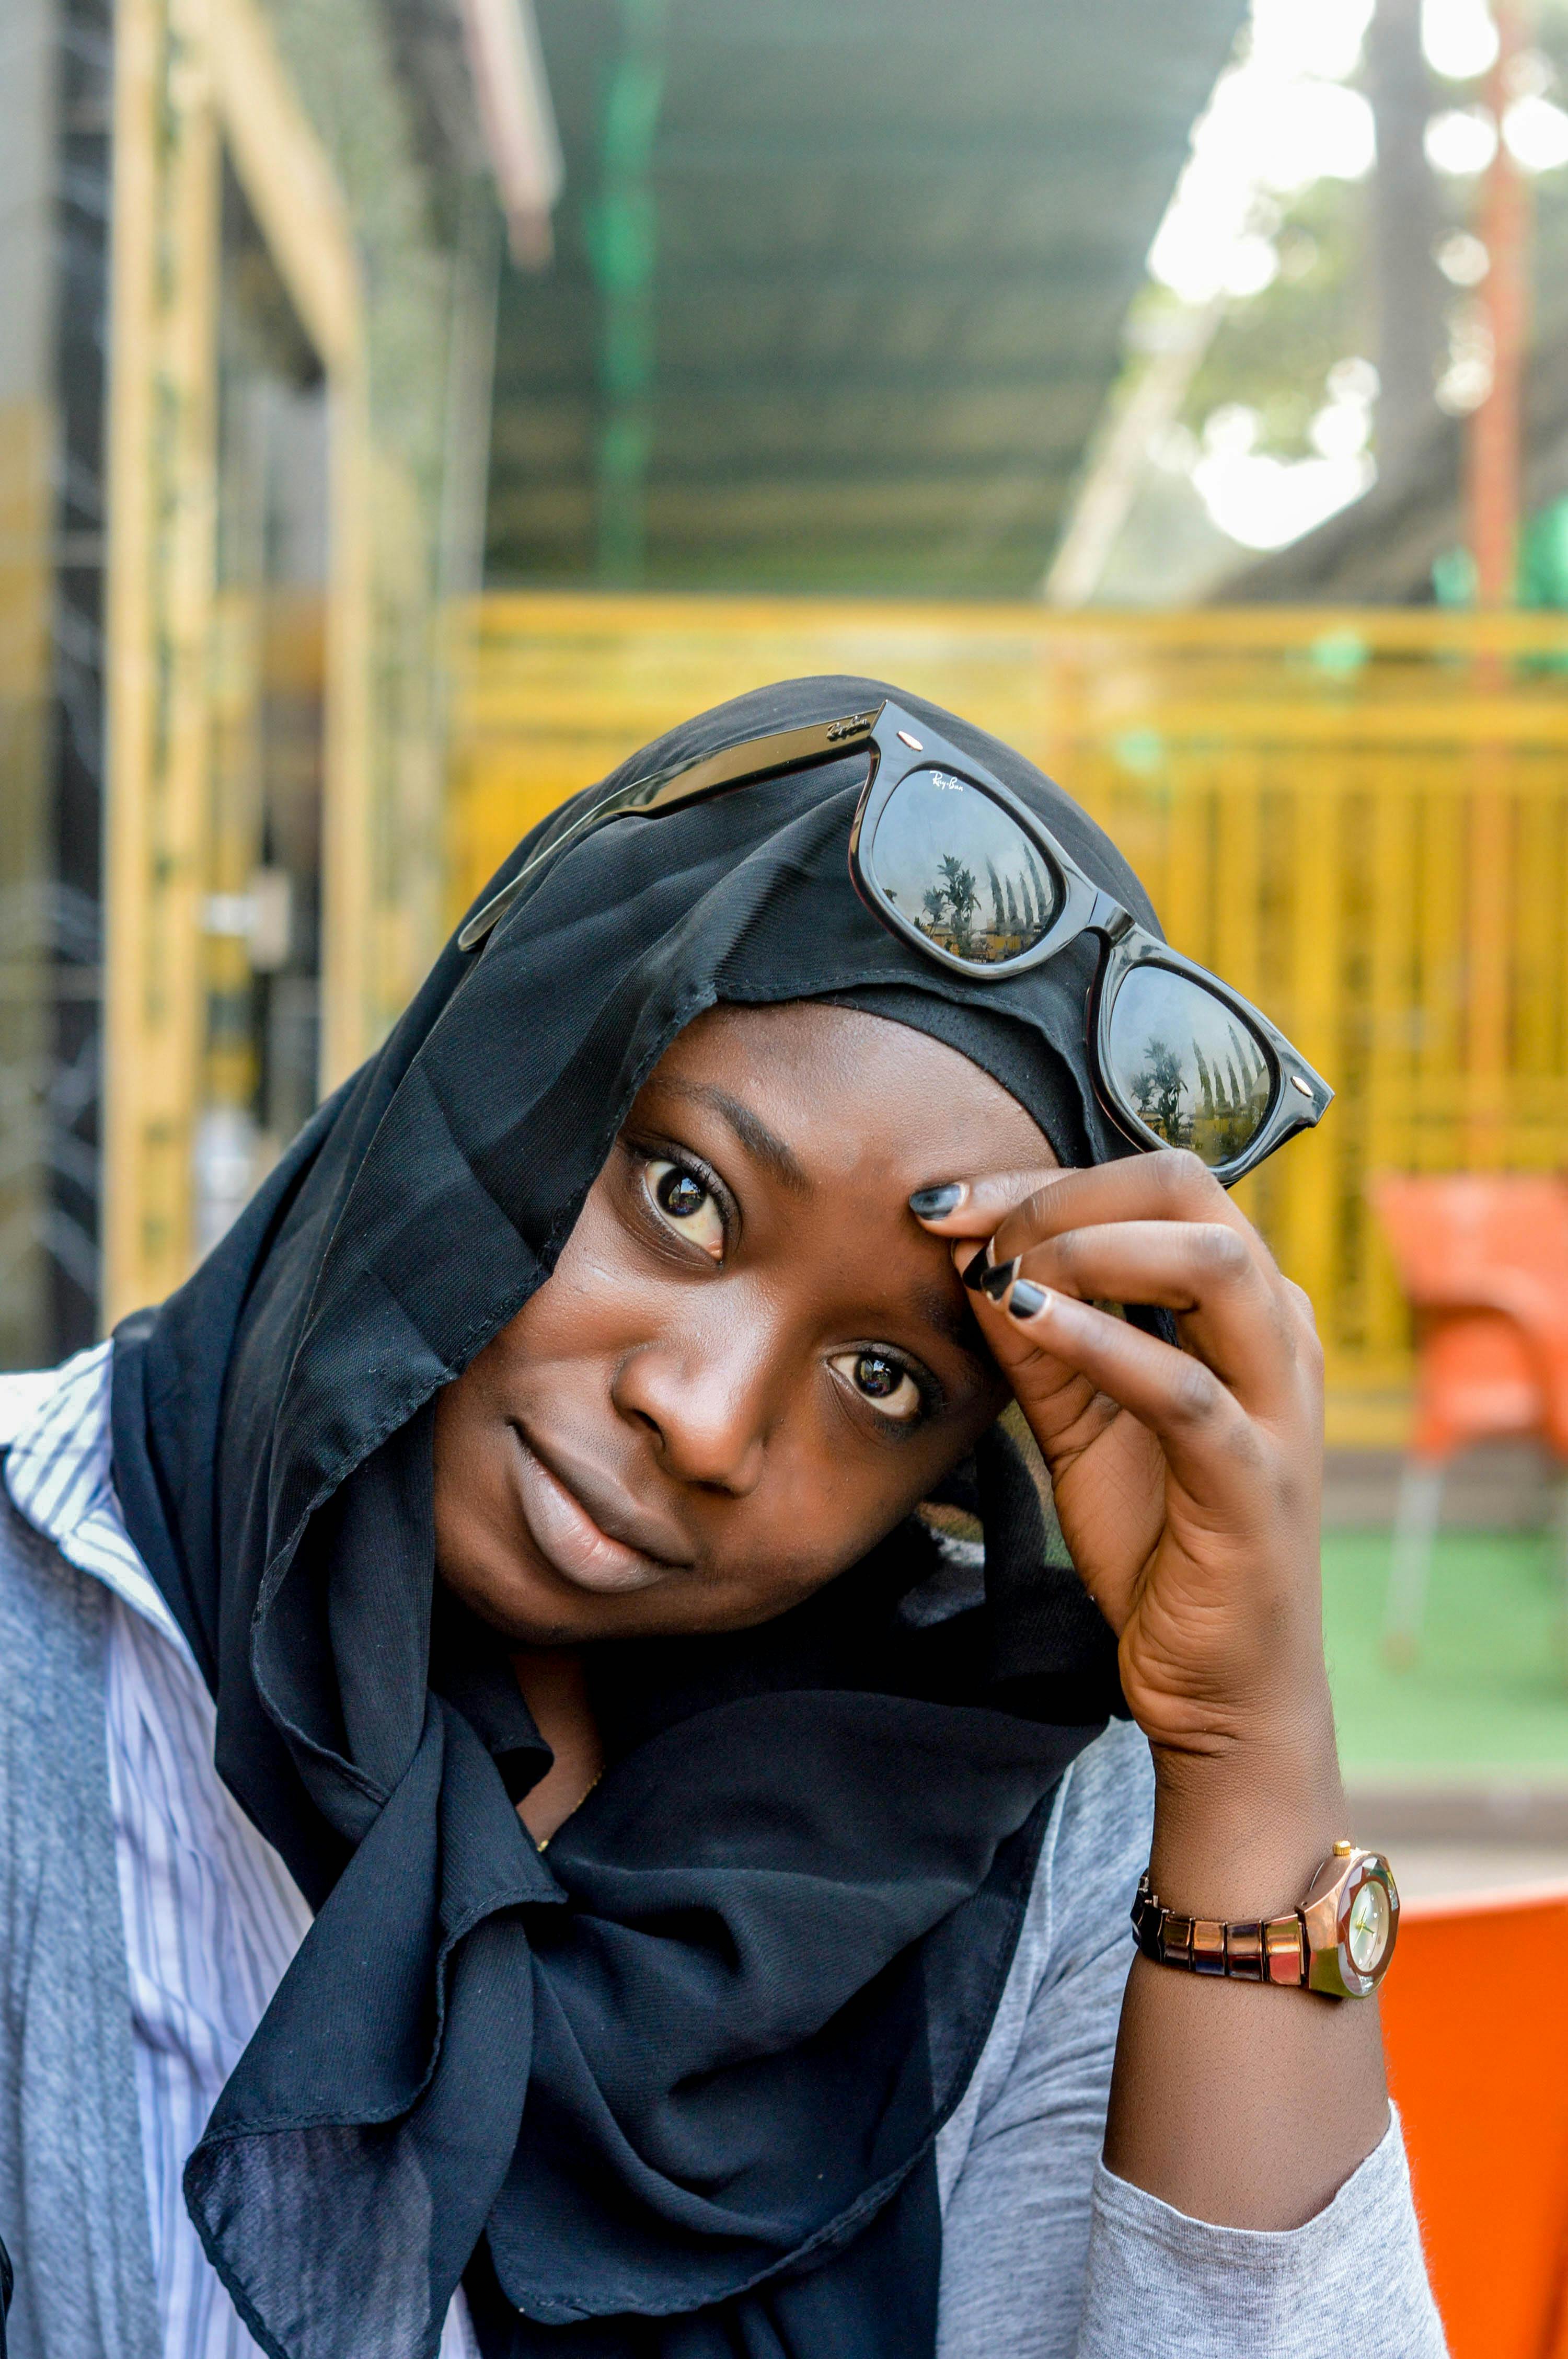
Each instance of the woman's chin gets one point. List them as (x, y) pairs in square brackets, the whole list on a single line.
[(532, 1604)]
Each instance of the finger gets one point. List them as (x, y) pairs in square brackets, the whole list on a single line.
[(1060, 1377), (1237, 1316), (1209, 1442), (1169, 1186), (971, 1208)]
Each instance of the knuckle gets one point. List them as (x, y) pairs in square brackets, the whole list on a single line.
[(1180, 1175), (1302, 1320), (1221, 1251), (1303, 1305), (1066, 1252), (1038, 1205), (1027, 1221), (1197, 1396)]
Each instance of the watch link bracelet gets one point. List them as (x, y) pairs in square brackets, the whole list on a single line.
[(1339, 1941)]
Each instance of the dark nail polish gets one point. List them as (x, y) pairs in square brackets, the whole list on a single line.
[(936, 1203), (996, 1281), (975, 1271), (1026, 1299)]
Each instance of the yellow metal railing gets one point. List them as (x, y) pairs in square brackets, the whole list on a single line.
[(1361, 819)]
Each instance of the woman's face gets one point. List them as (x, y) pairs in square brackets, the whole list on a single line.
[(751, 1360)]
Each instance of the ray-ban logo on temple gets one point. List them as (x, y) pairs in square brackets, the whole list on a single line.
[(962, 869)]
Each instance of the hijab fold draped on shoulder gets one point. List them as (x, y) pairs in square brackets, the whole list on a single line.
[(672, 2089)]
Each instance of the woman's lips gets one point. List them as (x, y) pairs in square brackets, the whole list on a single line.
[(571, 1541)]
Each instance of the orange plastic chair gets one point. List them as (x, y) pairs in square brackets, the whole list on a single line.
[(1483, 1261), (1477, 2048)]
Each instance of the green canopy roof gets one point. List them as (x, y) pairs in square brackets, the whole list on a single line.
[(838, 289)]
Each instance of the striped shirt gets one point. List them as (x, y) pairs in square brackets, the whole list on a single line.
[(212, 1917)]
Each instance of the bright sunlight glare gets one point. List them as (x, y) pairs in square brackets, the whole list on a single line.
[(1264, 502), (1460, 142), (1458, 37), (1537, 135), (1279, 118)]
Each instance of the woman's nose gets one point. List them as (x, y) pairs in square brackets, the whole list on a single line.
[(704, 1402)]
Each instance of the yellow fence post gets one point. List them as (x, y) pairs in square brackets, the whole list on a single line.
[(197, 80), (160, 570)]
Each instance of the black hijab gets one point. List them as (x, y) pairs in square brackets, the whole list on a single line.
[(674, 2088)]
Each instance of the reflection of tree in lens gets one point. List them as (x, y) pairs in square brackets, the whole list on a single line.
[(1229, 1106), (959, 883), (961, 868), (951, 909), (1157, 1093)]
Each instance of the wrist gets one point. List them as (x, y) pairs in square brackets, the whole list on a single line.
[(1241, 1832)]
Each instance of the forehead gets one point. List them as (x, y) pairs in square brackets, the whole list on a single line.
[(850, 1092)]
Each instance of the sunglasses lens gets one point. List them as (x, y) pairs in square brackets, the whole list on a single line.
[(959, 867), (1195, 1071)]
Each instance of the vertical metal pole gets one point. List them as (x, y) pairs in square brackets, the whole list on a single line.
[(1493, 486), (1495, 494), (623, 246), (1405, 222)]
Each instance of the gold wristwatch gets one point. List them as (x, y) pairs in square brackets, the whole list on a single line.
[(1339, 1941)]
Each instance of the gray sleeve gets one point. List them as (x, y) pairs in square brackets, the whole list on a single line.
[(1352, 2279), (1046, 2254)]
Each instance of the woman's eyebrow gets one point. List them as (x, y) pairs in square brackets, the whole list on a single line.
[(751, 1130), (953, 1320)]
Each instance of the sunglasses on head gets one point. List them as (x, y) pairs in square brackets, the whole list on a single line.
[(955, 864)]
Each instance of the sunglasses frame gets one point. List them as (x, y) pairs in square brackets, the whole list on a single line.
[(1299, 1096)]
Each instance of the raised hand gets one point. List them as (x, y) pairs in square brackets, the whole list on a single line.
[(1186, 1480)]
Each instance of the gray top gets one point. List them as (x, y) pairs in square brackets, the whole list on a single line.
[(1045, 2253)]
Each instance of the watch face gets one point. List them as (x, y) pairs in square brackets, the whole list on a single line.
[(1368, 1920), (1351, 1916), (1367, 1924)]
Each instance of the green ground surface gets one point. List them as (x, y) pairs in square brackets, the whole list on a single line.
[(1489, 1688)]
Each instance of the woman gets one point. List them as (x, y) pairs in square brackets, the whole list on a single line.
[(663, 1889)]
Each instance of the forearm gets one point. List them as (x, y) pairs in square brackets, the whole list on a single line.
[(1238, 2103)]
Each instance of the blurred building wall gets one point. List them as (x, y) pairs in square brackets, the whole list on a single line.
[(27, 308), (292, 413), (54, 120)]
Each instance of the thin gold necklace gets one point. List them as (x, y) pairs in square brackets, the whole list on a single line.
[(575, 1809)]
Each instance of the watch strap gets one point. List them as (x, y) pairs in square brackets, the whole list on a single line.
[(1252, 1950)]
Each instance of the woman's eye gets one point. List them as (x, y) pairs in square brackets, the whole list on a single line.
[(885, 1381), (682, 1201)]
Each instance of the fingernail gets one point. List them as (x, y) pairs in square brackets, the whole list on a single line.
[(975, 1271), (996, 1281), (936, 1203), (1026, 1299)]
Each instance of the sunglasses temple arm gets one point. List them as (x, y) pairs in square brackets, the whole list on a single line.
[(618, 806), (486, 920)]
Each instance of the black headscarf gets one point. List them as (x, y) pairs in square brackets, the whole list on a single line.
[(674, 2088)]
